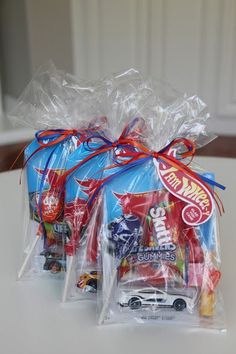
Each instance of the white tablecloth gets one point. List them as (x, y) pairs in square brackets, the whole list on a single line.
[(33, 321)]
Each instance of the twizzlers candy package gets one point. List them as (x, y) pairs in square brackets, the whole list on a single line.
[(160, 256)]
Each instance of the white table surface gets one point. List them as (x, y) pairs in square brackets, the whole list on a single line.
[(32, 319)]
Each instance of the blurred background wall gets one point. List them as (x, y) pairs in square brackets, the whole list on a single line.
[(189, 43)]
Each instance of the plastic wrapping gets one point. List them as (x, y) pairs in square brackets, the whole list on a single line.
[(66, 111), (82, 221), (45, 230), (115, 200), (50, 103), (129, 102), (54, 99), (86, 167), (167, 112), (159, 253), (156, 268)]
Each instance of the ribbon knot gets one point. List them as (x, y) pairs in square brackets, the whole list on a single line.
[(114, 144), (47, 138), (126, 140), (155, 154), (74, 132), (136, 154)]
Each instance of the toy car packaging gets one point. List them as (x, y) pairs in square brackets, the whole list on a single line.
[(159, 251)]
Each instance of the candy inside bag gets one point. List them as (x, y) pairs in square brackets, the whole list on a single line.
[(156, 268), (128, 102), (46, 229), (57, 104), (87, 165), (46, 163), (83, 274), (82, 221)]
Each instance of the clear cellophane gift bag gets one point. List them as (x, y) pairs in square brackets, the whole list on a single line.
[(159, 244), (61, 110), (128, 102)]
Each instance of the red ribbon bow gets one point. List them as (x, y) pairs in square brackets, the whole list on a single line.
[(131, 157)]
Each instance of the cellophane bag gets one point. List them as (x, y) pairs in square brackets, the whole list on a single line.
[(159, 241), (61, 110), (82, 221), (128, 102)]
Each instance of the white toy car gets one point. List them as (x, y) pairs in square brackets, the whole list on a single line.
[(135, 299)]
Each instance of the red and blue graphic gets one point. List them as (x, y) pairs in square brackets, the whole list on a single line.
[(167, 248), (80, 185), (44, 169)]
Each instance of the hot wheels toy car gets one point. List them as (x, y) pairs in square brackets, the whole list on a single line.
[(55, 256), (135, 299), (54, 262), (89, 280)]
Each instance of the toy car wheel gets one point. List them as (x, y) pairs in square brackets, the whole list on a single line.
[(134, 303), (54, 267), (179, 305), (92, 283), (46, 254)]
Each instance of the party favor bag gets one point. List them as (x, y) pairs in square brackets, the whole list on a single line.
[(128, 102), (53, 103), (82, 210), (160, 257)]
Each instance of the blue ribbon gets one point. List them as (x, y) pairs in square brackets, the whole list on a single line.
[(139, 162)]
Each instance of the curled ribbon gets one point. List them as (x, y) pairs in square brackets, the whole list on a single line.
[(127, 140), (134, 158), (49, 139), (55, 137)]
